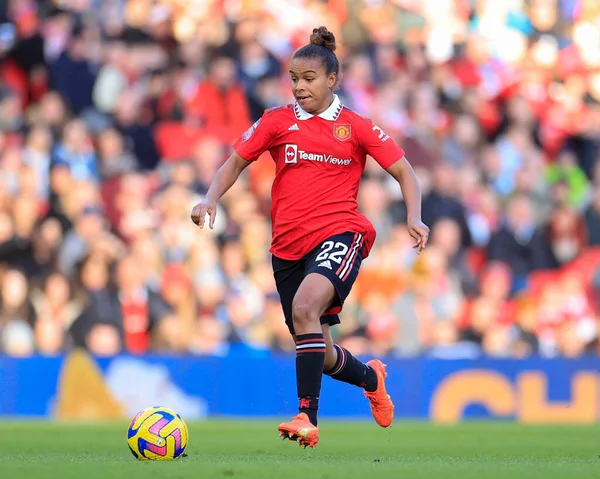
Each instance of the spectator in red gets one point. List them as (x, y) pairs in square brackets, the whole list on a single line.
[(562, 240), (219, 104)]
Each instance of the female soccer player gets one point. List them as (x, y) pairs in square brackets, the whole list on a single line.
[(319, 237)]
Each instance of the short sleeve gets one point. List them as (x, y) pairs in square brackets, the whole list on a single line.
[(379, 145), (256, 140)]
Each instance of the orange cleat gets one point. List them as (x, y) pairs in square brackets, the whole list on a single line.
[(382, 406), (301, 430)]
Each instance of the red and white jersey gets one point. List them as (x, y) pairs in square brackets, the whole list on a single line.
[(319, 161)]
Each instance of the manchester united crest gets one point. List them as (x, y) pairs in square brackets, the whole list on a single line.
[(342, 131)]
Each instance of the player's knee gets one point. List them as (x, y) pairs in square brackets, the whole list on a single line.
[(304, 314), (330, 359)]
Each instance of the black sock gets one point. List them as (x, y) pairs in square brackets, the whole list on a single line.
[(350, 370), (310, 360)]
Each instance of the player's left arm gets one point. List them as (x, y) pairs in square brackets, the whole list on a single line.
[(391, 157), (404, 174)]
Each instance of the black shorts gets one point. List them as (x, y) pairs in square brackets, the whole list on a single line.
[(338, 258)]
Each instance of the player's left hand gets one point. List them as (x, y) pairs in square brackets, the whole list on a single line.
[(420, 233)]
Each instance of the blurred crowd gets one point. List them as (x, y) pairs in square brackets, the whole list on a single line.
[(115, 115)]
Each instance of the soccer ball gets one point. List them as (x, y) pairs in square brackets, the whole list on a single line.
[(157, 434)]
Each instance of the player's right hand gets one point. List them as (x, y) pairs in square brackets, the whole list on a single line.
[(199, 212)]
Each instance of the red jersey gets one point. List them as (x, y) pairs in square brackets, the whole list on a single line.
[(319, 161)]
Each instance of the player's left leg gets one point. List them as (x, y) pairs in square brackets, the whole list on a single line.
[(340, 266), (342, 366)]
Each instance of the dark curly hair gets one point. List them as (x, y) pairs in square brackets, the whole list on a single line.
[(322, 45)]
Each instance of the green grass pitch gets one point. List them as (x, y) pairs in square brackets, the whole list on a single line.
[(247, 449)]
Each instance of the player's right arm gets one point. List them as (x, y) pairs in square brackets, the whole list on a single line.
[(253, 143), (224, 179)]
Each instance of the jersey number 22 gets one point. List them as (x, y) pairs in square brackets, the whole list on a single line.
[(339, 250)]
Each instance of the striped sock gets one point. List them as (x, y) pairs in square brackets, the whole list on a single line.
[(350, 370), (310, 359)]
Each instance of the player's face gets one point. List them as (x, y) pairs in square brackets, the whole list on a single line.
[(311, 85)]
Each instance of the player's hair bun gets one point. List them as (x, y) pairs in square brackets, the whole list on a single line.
[(322, 36)]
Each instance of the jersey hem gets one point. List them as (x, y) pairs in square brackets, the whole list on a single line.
[(313, 246)]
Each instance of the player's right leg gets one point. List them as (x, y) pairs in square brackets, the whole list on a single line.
[(314, 296), (301, 302)]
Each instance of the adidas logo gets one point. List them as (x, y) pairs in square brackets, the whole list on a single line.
[(294, 127), (326, 264)]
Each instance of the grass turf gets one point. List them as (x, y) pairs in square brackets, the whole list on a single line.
[(239, 449)]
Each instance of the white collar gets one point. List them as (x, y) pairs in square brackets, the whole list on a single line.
[(332, 113)]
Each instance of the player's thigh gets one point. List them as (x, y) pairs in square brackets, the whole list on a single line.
[(288, 278), (338, 259), (314, 296)]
